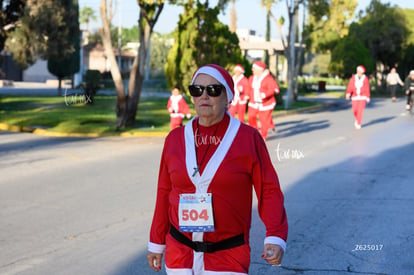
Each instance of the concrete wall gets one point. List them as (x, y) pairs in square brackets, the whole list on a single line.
[(38, 72)]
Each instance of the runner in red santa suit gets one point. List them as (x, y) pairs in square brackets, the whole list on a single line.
[(208, 171), (358, 91), (239, 102), (262, 89), (178, 108)]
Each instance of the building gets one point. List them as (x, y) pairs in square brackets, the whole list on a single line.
[(94, 58), (254, 46)]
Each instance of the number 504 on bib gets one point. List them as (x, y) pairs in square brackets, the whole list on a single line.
[(195, 213)]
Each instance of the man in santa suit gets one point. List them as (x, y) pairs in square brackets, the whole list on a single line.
[(208, 171), (262, 101), (358, 91), (178, 108), (409, 90), (239, 102)]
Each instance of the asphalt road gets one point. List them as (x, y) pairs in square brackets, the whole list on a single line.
[(84, 206)]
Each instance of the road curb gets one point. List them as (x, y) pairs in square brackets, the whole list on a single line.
[(302, 110), (45, 132)]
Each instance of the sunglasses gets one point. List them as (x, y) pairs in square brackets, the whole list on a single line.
[(213, 90)]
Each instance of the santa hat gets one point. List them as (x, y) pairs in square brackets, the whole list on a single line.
[(259, 65), (239, 68), (411, 72), (361, 68), (220, 74)]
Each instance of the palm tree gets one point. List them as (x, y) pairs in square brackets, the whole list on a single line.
[(233, 17), (86, 15), (268, 5)]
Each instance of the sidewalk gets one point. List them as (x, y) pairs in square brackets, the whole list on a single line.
[(43, 89), (325, 101)]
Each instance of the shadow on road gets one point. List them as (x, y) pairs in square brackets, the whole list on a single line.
[(294, 122), (298, 127), (42, 142), (351, 217), (342, 104), (379, 120)]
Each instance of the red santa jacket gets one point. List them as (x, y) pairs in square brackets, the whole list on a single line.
[(241, 88), (177, 106), (262, 92), (240, 163), (358, 88)]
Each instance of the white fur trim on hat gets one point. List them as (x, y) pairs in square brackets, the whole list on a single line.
[(239, 68), (213, 72), (259, 65), (361, 68)]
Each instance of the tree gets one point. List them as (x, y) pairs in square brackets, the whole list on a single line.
[(268, 6), (10, 12), (409, 17), (200, 39), (316, 8), (86, 15), (105, 32), (160, 47), (347, 55), (41, 32), (127, 35), (65, 65), (289, 46), (383, 30), (407, 63), (407, 59), (126, 106), (329, 22), (233, 17)]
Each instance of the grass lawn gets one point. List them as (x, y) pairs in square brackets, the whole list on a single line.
[(332, 94), (71, 115)]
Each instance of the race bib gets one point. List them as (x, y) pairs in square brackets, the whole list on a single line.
[(195, 213)]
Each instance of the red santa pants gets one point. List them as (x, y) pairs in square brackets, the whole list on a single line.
[(358, 107), (240, 109), (175, 122), (265, 119)]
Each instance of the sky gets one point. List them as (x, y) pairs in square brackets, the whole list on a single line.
[(250, 14)]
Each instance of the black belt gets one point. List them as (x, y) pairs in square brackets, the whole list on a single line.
[(207, 247)]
